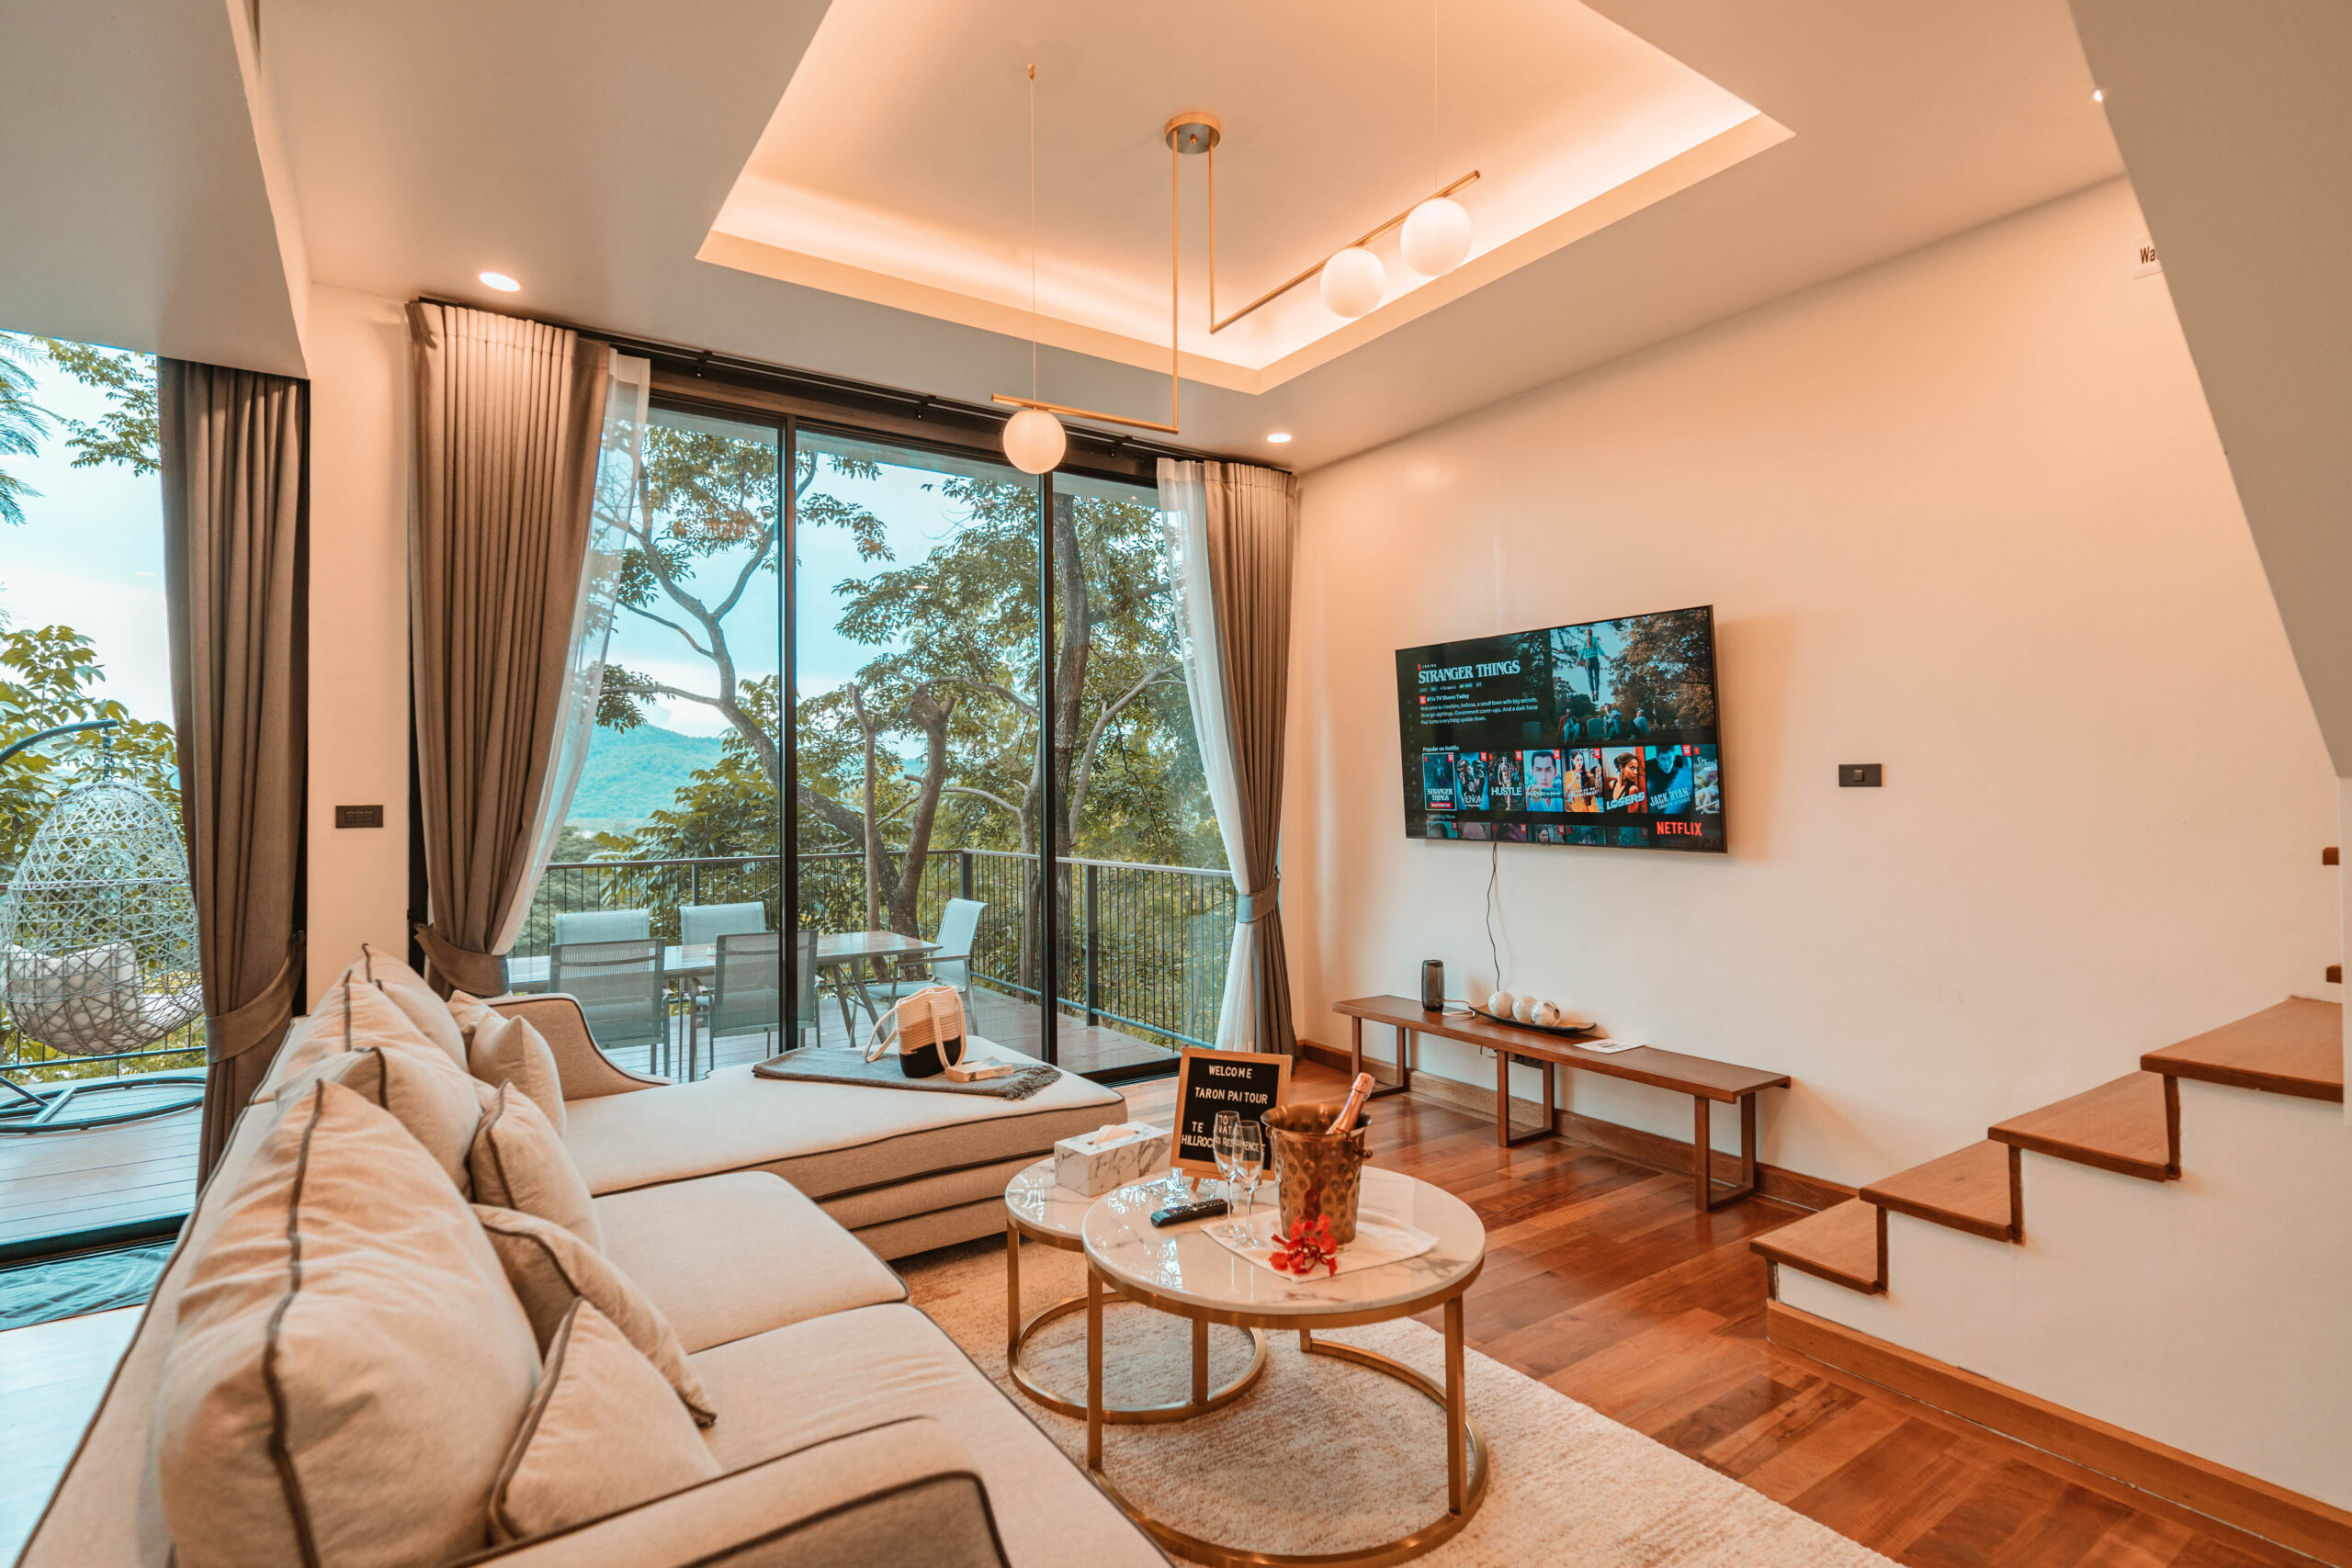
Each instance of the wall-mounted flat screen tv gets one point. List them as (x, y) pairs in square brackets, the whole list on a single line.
[(1602, 734)]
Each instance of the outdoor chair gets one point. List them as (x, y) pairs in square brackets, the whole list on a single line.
[(604, 925), (747, 986), (959, 923), (699, 924), (619, 987)]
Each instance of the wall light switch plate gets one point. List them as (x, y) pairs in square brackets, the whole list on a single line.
[(358, 816), (1859, 775)]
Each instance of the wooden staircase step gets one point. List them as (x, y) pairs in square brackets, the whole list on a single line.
[(1845, 1245), (2132, 1125), (1971, 1189), (2294, 1048)]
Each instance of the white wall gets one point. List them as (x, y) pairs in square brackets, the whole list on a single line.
[(1964, 515), (360, 417)]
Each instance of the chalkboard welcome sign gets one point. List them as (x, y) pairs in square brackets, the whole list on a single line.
[(1248, 1082)]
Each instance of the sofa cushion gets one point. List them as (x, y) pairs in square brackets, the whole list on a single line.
[(351, 1015), (519, 1163), (550, 1269), (437, 1105), (602, 1434), (828, 1140), (350, 1365), (430, 1014), (500, 1049), (809, 1381), (729, 1256)]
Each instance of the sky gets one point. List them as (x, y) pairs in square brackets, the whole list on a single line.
[(90, 554)]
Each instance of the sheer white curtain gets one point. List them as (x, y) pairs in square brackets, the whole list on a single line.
[(1231, 534), (619, 465)]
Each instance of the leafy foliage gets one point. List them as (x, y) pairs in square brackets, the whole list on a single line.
[(126, 433), (22, 422), (47, 676)]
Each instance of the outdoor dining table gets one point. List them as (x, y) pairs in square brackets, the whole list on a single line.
[(845, 962)]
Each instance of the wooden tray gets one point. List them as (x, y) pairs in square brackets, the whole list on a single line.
[(1565, 1031)]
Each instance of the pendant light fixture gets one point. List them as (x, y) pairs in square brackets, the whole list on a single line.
[(1034, 438), (1437, 234)]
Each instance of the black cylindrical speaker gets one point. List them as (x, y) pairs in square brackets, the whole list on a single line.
[(1432, 986)]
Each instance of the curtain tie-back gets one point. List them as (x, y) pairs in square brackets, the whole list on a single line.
[(464, 968), (1256, 906), (232, 1033)]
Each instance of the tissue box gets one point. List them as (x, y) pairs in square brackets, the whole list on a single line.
[(1137, 1153)]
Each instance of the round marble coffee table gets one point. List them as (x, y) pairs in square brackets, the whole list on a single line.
[(1183, 1271), (1037, 1207)]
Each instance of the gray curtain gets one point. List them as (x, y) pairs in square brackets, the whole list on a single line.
[(508, 418), (1232, 539), (235, 452)]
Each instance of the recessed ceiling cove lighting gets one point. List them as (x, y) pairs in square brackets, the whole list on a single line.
[(1278, 438), (501, 282)]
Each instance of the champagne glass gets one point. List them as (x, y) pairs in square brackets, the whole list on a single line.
[(1249, 1163), (1229, 1124)]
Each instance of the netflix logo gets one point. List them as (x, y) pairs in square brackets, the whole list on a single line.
[(1687, 830)]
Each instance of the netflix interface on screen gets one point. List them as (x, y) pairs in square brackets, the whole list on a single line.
[(1602, 735)]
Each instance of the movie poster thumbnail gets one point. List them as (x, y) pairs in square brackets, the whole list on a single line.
[(1584, 780), (1550, 833), (1437, 787), (1623, 788), (1545, 772), (1439, 827), (1506, 787), (1470, 774), (1707, 782), (1670, 773), (1482, 831), (1514, 832)]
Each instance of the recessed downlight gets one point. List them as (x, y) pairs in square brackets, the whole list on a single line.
[(1278, 438), (2098, 95), (501, 282)]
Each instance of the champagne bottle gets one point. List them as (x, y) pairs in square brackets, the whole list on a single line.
[(1358, 1092)]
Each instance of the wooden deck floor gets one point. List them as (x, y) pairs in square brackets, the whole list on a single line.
[(1015, 1024)]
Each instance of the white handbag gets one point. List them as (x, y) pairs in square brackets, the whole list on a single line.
[(927, 1027)]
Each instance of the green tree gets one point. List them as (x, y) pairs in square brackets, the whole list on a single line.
[(127, 431), (49, 676), (22, 422)]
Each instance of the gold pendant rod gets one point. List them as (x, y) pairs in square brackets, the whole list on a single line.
[(1175, 383), (1280, 290)]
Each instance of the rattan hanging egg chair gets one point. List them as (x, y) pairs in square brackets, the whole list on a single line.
[(98, 952)]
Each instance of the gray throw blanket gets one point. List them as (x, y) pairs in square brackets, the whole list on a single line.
[(835, 1064)]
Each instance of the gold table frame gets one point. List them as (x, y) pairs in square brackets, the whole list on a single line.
[(1465, 1448), (1018, 1330)]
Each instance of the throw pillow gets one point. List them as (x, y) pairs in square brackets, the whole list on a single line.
[(430, 1014), (510, 1050), (519, 1162), (603, 1434), (550, 1269), (375, 964), (437, 1106), (349, 1365), (351, 1016)]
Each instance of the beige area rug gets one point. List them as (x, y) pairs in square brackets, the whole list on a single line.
[(1325, 1456)]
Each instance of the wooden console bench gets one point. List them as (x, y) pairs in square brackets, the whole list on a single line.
[(1707, 1083)]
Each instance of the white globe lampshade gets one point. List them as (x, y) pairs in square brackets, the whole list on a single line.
[(1353, 281), (1035, 440), (1437, 237)]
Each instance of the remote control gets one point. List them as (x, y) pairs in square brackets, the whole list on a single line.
[(1177, 1213)]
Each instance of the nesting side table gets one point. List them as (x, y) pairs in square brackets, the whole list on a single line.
[(1052, 1215)]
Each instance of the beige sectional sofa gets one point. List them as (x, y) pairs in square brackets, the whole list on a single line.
[(848, 1427)]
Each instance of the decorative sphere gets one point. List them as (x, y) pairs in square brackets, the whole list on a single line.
[(1499, 1004), (1546, 1014), (1034, 441), (1524, 1010), (1353, 281), (1437, 237)]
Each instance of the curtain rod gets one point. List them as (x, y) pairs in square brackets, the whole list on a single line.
[(700, 361)]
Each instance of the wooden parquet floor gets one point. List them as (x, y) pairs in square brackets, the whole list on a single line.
[(1604, 1283)]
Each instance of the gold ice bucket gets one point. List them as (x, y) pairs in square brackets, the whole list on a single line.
[(1316, 1171)]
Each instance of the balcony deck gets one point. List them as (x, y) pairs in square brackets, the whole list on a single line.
[(64, 1190)]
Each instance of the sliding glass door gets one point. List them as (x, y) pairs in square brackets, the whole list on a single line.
[(981, 724)]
